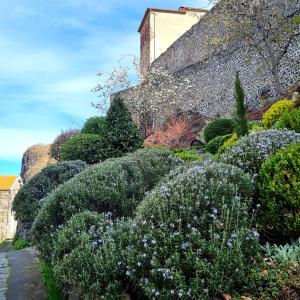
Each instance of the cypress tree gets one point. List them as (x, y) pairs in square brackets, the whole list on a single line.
[(121, 135), (240, 113)]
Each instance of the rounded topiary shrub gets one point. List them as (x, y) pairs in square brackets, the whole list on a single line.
[(192, 237), (272, 115), (251, 151), (218, 128), (94, 125), (116, 186), (290, 120), (28, 200), (86, 147), (279, 187), (214, 145), (86, 256)]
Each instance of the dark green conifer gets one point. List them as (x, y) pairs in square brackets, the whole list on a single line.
[(240, 113)]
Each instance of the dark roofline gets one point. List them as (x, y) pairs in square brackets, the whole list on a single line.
[(181, 11)]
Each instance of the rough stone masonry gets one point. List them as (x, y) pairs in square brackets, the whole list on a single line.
[(212, 70)]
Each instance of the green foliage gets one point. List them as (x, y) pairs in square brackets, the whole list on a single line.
[(60, 140), (273, 114), (116, 186), (52, 290), (240, 113), (28, 199), (121, 136), (216, 143), (187, 154), (94, 125), (86, 256), (279, 185), (83, 146), (218, 127), (251, 151), (290, 120), (19, 244), (229, 143), (188, 229)]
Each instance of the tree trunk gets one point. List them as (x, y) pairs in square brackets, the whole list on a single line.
[(276, 78)]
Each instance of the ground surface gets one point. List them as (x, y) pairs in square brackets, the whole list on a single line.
[(20, 278)]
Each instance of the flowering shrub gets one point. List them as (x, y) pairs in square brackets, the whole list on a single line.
[(116, 185), (192, 237), (290, 120), (251, 151), (28, 200), (217, 128), (275, 112), (85, 242), (214, 144), (279, 187)]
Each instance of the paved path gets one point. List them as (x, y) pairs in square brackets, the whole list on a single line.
[(20, 278)]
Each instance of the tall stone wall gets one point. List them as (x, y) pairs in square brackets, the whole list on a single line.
[(212, 69)]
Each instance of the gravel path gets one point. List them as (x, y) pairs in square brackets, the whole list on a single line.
[(20, 278)]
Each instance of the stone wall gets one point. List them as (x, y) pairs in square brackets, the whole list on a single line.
[(211, 70)]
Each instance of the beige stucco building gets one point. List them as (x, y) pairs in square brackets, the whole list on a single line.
[(9, 186), (160, 28)]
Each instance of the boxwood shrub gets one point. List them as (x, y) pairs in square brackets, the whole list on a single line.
[(83, 146), (279, 187), (116, 186), (214, 144), (251, 151), (272, 115), (218, 128), (290, 120), (28, 200)]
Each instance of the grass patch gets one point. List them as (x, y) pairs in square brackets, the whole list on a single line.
[(52, 290), (18, 244)]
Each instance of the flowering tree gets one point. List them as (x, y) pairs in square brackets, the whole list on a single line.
[(269, 29), (150, 97)]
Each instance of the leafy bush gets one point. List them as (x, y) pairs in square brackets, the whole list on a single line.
[(94, 125), (192, 237), (19, 244), (275, 112), (229, 143), (217, 128), (279, 185), (121, 136), (214, 144), (83, 146), (188, 156), (28, 200), (61, 139), (251, 151), (290, 120), (116, 185), (86, 256)]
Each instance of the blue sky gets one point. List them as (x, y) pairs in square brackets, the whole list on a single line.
[(50, 52)]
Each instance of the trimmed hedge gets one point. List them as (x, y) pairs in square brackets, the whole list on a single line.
[(272, 115), (83, 146), (290, 120), (27, 202), (279, 187), (218, 127), (94, 125), (216, 143), (251, 151), (116, 186)]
